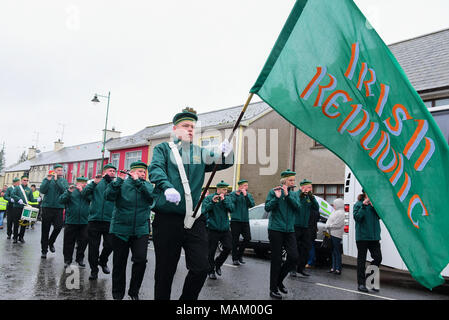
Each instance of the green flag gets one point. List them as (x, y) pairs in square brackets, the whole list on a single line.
[(332, 77)]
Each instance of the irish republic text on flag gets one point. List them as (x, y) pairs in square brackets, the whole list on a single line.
[(332, 77)]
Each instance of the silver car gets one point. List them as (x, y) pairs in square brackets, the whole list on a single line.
[(258, 221)]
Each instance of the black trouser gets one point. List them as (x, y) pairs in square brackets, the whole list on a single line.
[(14, 215), (169, 236), (226, 240), (239, 228), (279, 270), (50, 216), (9, 219), (376, 254), (74, 233), (304, 244), (95, 231), (121, 248)]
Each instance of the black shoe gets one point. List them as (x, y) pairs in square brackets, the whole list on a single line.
[(22, 240), (93, 275), (218, 271), (241, 261), (293, 274), (362, 288), (304, 274), (8, 237), (275, 294), (43, 255), (212, 276), (81, 264), (14, 241), (66, 264), (235, 262), (283, 289), (52, 248), (136, 297), (105, 269), (375, 290)]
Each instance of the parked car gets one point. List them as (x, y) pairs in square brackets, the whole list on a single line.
[(258, 220)]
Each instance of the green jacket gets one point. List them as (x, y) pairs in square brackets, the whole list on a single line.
[(17, 195), (100, 209), (133, 201), (217, 212), (52, 190), (8, 194), (367, 226), (76, 207), (306, 204), (241, 206), (283, 211), (163, 172)]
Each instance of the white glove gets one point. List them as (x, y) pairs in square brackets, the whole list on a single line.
[(39, 199), (189, 220), (20, 201), (172, 195), (225, 147), (12, 200)]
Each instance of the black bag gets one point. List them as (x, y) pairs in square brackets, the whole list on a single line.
[(327, 243)]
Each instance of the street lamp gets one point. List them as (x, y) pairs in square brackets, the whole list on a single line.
[(95, 101)]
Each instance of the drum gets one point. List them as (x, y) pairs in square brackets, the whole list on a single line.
[(29, 213)]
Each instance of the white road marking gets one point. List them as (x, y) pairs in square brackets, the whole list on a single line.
[(353, 291), (225, 264)]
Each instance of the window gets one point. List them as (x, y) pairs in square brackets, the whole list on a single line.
[(74, 172), (98, 168), (257, 213), (66, 170), (210, 142), (329, 192), (115, 159), (443, 102), (131, 157), (90, 169), (82, 168)]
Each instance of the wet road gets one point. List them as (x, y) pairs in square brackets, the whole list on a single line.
[(24, 275)]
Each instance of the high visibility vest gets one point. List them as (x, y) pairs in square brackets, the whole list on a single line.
[(3, 204), (35, 195)]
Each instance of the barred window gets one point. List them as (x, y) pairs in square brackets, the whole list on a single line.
[(329, 192)]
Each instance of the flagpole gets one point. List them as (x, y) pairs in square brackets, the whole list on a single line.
[(237, 123)]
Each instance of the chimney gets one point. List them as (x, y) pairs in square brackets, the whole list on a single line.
[(58, 145), (31, 153), (110, 134)]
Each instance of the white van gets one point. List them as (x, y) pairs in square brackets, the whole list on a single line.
[(390, 255)]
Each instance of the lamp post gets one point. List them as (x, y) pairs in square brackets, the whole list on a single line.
[(95, 100)]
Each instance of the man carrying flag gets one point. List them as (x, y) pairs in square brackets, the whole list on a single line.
[(331, 76), (171, 226)]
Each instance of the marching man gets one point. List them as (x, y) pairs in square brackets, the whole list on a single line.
[(243, 200), (75, 230), (10, 207), (133, 200), (217, 206), (53, 186), (22, 195), (175, 200), (283, 203), (100, 214)]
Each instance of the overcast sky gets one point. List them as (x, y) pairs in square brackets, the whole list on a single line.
[(155, 57)]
